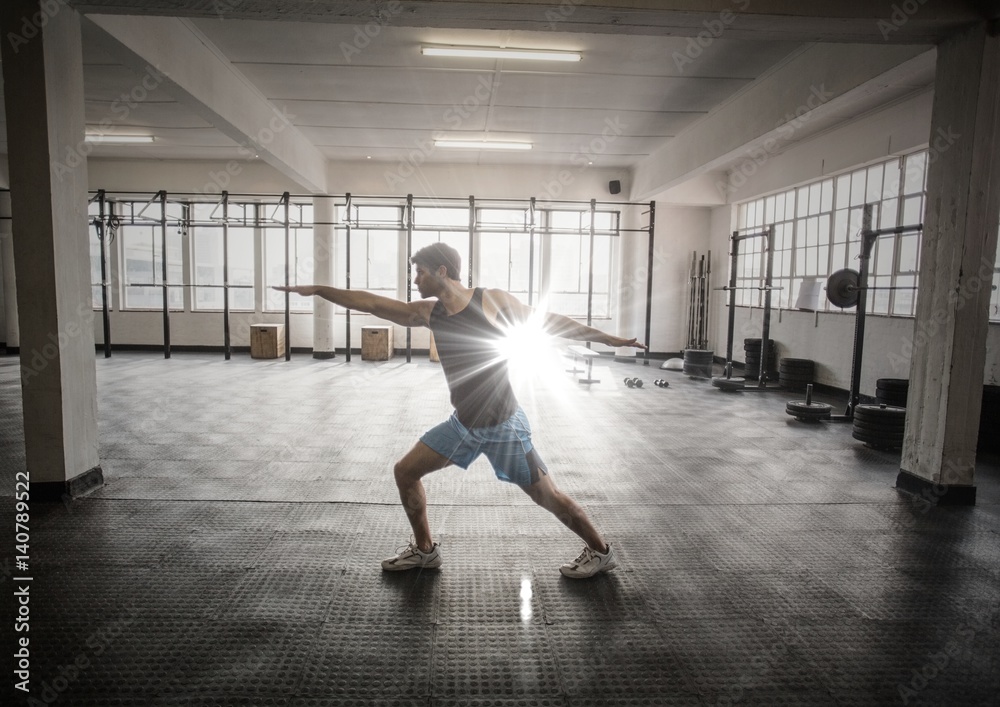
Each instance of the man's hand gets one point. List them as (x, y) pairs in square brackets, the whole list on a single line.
[(304, 290), (618, 341)]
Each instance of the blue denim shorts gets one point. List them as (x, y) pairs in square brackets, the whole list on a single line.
[(507, 446)]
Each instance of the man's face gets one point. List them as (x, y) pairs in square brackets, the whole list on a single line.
[(428, 283)]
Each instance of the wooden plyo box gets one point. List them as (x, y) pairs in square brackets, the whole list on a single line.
[(267, 340), (376, 343)]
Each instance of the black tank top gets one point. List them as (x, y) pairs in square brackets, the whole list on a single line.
[(476, 373)]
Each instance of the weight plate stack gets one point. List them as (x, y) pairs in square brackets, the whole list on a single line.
[(796, 373), (808, 411), (751, 356), (698, 363), (879, 426), (892, 391)]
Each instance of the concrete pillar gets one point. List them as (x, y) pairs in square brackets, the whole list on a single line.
[(956, 271), (324, 259), (10, 333), (43, 88)]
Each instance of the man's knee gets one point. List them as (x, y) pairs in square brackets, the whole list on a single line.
[(403, 473)]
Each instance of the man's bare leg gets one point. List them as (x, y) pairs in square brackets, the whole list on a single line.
[(545, 494), (417, 463)]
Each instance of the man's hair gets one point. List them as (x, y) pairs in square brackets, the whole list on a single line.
[(437, 254)]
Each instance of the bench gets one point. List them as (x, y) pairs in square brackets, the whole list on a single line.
[(588, 355)]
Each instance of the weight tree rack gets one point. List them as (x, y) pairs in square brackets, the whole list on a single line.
[(734, 252), (843, 293)]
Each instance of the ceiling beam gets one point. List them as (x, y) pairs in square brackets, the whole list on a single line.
[(893, 21), (820, 86), (174, 54)]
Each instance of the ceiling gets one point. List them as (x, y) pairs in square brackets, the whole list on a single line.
[(356, 87), (385, 100)]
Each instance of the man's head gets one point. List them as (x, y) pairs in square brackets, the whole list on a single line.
[(439, 254)]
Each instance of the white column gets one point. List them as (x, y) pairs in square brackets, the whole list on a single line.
[(958, 250), (43, 91), (324, 261)]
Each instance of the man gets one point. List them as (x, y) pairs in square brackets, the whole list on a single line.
[(467, 325)]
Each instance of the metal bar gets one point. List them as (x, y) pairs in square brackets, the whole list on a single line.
[(531, 251), (734, 254), (766, 333), (691, 300), (286, 199), (868, 238), (472, 230), (707, 295), (347, 314), (163, 268), (102, 234), (590, 269), (650, 245), (899, 230), (409, 269), (225, 275)]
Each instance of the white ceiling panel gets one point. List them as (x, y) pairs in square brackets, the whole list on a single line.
[(593, 121)]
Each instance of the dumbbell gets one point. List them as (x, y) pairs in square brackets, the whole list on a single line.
[(660, 383), (633, 382)]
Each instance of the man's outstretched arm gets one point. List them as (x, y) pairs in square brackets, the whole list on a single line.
[(402, 313), (510, 310)]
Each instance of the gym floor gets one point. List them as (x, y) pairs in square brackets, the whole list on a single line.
[(232, 556)]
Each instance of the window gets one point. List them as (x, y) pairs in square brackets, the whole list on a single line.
[(142, 255), (569, 269), (300, 253), (433, 224), (504, 252), (375, 233), (818, 232), (93, 212), (208, 268)]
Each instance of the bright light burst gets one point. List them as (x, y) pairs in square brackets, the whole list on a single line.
[(528, 349)]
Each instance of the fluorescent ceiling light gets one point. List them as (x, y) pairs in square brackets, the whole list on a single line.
[(483, 145), (498, 53), (99, 138)]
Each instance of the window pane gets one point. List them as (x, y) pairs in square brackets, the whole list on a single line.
[(383, 261), (913, 181), (913, 210), (827, 199), (875, 175), (564, 220), (494, 260), (815, 198), (437, 216), (241, 269), (207, 267), (802, 198), (567, 263), (858, 188), (908, 249), (890, 212), (904, 299), (843, 191)]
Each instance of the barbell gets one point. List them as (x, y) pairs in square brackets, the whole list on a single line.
[(844, 286)]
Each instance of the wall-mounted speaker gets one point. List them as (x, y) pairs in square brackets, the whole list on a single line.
[(615, 186)]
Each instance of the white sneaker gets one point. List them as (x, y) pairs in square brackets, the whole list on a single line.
[(412, 556), (589, 563)]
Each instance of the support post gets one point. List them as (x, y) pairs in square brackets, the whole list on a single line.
[(958, 252)]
